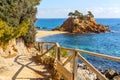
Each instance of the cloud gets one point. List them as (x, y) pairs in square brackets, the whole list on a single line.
[(99, 12), (53, 13), (109, 12)]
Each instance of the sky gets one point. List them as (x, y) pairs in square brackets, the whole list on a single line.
[(61, 8)]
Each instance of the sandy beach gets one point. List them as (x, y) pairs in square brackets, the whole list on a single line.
[(48, 33)]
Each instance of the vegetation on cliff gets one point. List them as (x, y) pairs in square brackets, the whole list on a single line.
[(9, 32), (17, 19), (79, 23)]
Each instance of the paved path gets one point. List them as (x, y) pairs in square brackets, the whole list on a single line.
[(25, 69)]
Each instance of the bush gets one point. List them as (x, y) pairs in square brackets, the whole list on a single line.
[(7, 32), (76, 24), (17, 19), (63, 53)]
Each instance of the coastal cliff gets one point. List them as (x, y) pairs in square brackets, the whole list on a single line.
[(80, 23)]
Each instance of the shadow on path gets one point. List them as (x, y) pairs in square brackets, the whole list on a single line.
[(27, 65)]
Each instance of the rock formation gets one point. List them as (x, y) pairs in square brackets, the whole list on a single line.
[(82, 24), (14, 48), (112, 74)]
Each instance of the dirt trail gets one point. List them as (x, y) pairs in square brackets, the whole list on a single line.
[(24, 68)]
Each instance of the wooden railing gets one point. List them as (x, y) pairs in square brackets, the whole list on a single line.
[(45, 47)]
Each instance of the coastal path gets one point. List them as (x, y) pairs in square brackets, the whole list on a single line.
[(24, 68)]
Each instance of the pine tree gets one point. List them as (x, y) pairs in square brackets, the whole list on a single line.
[(16, 12)]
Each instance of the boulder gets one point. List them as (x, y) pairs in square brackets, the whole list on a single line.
[(14, 47), (116, 77), (111, 73)]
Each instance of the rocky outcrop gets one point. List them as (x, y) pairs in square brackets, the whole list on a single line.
[(111, 73), (15, 46), (85, 74), (116, 77), (76, 25)]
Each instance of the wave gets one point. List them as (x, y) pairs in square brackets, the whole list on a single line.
[(113, 31)]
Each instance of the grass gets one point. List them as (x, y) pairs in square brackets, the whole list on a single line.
[(64, 53)]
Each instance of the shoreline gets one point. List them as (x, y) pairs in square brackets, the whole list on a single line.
[(45, 33)]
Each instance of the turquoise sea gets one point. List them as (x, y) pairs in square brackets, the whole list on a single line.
[(104, 43)]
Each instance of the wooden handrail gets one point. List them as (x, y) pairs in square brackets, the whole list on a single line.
[(100, 76), (48, 50), (57, 45), (62, 70), (74, 57), (94, 54), (48, 42), (100, 55), (67, 48), (69, 58)]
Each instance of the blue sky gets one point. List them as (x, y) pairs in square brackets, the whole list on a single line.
[(60, 8)]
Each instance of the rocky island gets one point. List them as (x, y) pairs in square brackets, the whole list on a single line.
[(79, 23)]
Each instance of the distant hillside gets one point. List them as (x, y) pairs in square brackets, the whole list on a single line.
[(79, 23)]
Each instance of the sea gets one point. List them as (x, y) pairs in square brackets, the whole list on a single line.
[(104, 43)]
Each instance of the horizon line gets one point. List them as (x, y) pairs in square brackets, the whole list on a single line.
[(67, 17)]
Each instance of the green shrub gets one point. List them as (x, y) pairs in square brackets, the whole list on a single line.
[(17, 19), (8, 33), (63, 53), (52, 53), (76, 24)]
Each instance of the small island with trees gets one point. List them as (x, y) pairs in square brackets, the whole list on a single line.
[(80, 23)]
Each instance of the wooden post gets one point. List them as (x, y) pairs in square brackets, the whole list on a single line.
[(48, 50), (47, 46), (42, 48), (57, 51), (38, 45), (75, 62)]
